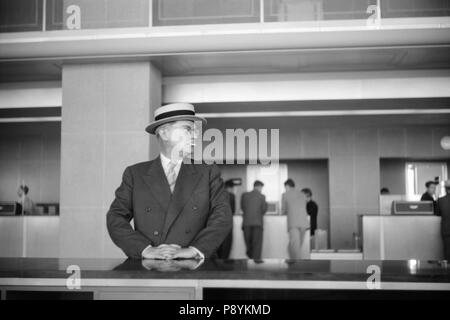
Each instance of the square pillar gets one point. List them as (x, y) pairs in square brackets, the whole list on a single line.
[(106, 107), (354, 177)]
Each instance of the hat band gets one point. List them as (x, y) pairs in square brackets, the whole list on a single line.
[(174, 113)]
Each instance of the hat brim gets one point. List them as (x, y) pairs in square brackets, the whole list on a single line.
[(151, 128)]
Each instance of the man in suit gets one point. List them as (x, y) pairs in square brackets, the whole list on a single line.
[(180, 209), (430, 194), (293, 205), (26, 204), (312, 209), (443, 205), (225, 248), (253, 206)]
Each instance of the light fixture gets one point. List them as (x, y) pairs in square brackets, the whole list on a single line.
[(445, 142)]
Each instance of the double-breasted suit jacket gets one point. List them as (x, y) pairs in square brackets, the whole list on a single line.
[(196, 214)]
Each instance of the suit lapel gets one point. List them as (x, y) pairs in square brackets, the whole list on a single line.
[(157, 182), (187, 180)]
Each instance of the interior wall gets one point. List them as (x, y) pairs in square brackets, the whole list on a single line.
[(30, 155), (355, 171), (392, 174), (353, 147)]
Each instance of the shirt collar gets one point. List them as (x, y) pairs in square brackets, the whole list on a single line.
[(165, 161)]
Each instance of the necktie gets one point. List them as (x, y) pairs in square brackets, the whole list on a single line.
[(171, 175)]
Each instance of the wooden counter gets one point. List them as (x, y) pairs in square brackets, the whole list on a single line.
[(402, 237), (151, 279), (29, 236)]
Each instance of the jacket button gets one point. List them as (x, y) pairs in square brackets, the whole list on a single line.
[(148, 209), (188, 231), (155, 233), (194, 208)]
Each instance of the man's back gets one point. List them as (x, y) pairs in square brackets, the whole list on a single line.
[(426, 197), (254, 206), (444, 211), (294, 206), (28, 206)]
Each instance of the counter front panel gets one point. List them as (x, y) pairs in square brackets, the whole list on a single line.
[(189, 279)]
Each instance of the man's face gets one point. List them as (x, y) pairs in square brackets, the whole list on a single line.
[(431, 189), (19, 192), (180, 135)]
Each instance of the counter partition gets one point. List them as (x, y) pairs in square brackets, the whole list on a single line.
[(22, 278)]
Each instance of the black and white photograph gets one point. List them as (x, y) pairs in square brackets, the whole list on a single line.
[(224, 155)]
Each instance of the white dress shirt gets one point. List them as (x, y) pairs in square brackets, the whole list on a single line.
[(165, 164)]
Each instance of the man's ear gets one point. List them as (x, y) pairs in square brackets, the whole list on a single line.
[(163, 133)]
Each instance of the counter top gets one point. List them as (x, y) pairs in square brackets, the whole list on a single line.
[(230, 270)]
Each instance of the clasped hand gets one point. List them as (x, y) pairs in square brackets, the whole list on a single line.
[(168, 252)]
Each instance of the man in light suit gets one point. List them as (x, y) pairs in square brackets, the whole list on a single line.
[(293, 205), (443, 206), (253, 205), (180, 209)]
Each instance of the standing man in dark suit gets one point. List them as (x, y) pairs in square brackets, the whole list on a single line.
[(312, 209), (180, 209), (225, 248), (254, 206), (430, 194), (443, 205)]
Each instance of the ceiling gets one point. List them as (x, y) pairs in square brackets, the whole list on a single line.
[(349, 59), (307, 61), (346, 59)]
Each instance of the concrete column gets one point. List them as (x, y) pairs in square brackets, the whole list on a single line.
[(106, 107), (354, 173)]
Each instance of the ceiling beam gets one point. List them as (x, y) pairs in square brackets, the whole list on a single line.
[(157, 41), (30, 94), (308, 86)]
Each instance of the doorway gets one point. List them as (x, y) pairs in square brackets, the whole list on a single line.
[(418, 173)]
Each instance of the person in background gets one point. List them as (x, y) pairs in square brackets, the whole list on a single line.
[(430, 194), (384, 191), (224, 250), (443, 205), (294, 207), (254, 206), (312, 209), (26, 204)]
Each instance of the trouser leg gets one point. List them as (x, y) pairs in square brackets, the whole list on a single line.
[(257, 242), (446, 248), (248, 241), (295, 243)]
